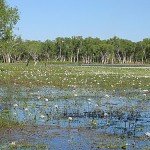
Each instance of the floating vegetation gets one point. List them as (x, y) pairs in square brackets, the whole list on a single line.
[(107, 113), (97, 77), (23, 146), (79, 107)]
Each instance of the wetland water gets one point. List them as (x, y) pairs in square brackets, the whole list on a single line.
[(75, 119)]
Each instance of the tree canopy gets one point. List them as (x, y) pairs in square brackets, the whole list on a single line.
[(8, 19)]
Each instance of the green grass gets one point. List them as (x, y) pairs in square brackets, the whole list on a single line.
[(25, 146), (5, 121), (64, 76)]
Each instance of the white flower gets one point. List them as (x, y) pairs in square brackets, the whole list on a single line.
[(70, 118), (145, 90), (42, 116), (89, 103), (15, 105), (56, 106), (46, 99), (105, 114), (96, 105), (75, 95), (148, 134), (13, 143), (107, 96), (26, 109), (38, 97)]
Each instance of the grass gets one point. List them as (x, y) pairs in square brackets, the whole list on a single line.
[(24, 145), (65, 76), (5, 121)]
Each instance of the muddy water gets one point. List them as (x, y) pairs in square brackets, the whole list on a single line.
[(77, 118)]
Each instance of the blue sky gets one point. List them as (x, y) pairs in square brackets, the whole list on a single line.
[(48, 19)]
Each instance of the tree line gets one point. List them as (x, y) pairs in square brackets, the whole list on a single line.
[(72, 49), (76, 49)]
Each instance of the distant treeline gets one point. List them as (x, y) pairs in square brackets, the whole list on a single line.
[(76, 49)]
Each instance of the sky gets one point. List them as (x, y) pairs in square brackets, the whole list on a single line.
[(49, 19)]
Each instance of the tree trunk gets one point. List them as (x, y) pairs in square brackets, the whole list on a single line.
[(74, 59), (78, 50), (7, 58), (112, 61), (71, 58), (124, 59), (142, 60)]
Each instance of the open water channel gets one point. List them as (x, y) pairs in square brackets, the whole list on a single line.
[(75, 119)]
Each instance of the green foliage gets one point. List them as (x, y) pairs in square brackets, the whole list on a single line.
[(78, 50), (5, 120), (8, 18)]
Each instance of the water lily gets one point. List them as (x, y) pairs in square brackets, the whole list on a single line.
[(75, 95), (56, 106), (145, 90), (26, 109), (46, 99), (107, 96), (38, 97), (13, 143), (147, 134), (15, 113), (42, 116), (105, 114), (70, 118), (15, 105), (89, 103)]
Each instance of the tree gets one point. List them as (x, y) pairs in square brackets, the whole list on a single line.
[(33, 50), (59, 44), (146, 49), (18, 50), (8, 19), (48, 50), (76, 47)]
